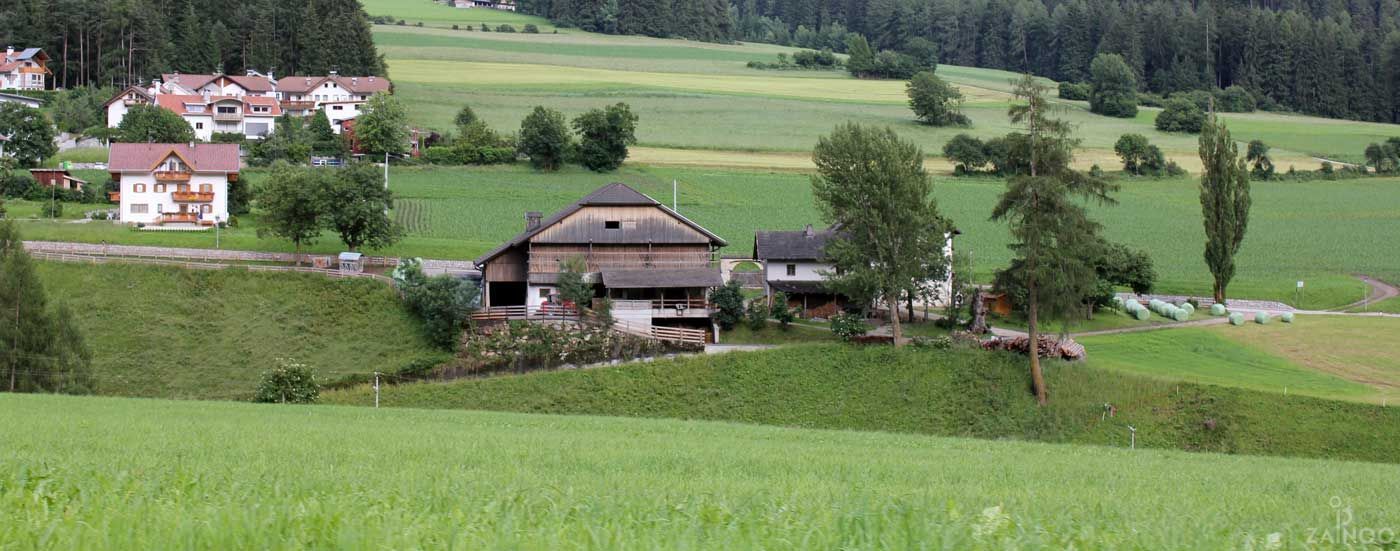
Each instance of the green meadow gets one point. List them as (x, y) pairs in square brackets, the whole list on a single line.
[(175, 333), (143, 474), (701, 96), (436, 14)]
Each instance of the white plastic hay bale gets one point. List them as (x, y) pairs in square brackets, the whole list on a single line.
[(1217, 309), (1141, 314), (1190, 310), (1236, 319), (1180, 314), (1287, 317), (1261, 318)]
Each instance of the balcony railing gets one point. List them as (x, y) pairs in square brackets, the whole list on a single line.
[(179, 217), (114, 196), (228, 117), (192, 196), (172, 176), (543, 262), (681, 306)]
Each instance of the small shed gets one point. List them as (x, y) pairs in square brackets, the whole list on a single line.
[(351, 263), (997, 303)]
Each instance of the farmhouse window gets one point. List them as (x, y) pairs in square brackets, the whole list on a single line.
[(206, 188), (206, 209), (199, 126), (612, 225), (140, 208), (791, 270), (544, 292), (138, 188), (160, 188), (183, 187)]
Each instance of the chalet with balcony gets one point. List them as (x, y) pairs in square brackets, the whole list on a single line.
[(251, 84), (302, 95), (26, 69), (173, 184), (251, 116), (656, 266)]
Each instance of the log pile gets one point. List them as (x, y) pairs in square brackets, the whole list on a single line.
[(1048, 347)]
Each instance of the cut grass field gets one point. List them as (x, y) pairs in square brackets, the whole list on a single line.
[(1319, 232), (1343, 358), (437, 14), (174, 333), (143, 474), (701, 96), (968, 393)]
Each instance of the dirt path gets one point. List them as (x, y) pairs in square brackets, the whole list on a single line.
[(1380, 290)]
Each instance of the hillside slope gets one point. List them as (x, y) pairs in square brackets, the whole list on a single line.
[(174, 333), (959, 393), (90, 473)]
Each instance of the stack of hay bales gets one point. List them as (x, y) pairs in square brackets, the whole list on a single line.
[(1136, 310), (1169, 310)]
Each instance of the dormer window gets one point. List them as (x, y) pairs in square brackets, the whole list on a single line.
[(612, 225)]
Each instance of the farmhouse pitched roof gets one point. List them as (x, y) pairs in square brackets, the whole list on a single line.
[(806, 244), (251, 83), (800, 287), (130, 89), (179, 103), (614, 194), (358, 85), (141, 157), (656, 279)]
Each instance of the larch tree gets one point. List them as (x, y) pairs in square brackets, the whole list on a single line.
[(873, 185), (1225, 202), (1052, 234)]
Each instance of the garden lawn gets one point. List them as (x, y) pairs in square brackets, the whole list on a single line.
[(174, 333), (1345, 358), (87, 473)]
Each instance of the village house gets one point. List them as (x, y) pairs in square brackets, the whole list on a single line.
[(252, 83), (164, 184), (504, 5), (302, 95), (655, 265), (51, 177), (795, 264), (26, 69)]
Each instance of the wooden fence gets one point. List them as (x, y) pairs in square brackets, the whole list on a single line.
[(560, 313), (192, 265)]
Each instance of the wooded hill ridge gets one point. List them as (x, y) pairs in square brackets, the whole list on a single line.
[(1329, 58), (122, 42)]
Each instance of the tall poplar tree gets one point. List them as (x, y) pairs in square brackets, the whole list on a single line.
[(1225, 202)]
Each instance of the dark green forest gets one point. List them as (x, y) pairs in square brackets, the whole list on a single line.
[(1335, 58), (121, 42)]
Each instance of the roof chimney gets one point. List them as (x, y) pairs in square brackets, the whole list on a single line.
[(9, 52), (334, 72), (532, 220), (808, 233)]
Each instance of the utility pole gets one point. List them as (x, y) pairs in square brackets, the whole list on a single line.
[(376, 390), (673, 196)]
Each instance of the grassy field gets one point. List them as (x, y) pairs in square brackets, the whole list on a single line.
[(1345, 358), (701, 96), (143, 474), (436, 14), (968, 393), (1319, 232), (173, 333)]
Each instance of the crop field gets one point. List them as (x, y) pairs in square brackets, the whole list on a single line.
[(701, 96), (1344, 358), (436, 14), (173, 333), (145, 474)]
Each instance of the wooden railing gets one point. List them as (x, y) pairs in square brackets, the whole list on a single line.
[(560, 313), (542, 313), (547, 262), (172, 176), (178, 217), (192, 196), (654, 332), (228, 117), (662, 304), (114, 196)]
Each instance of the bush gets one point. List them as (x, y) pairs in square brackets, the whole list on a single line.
[(934, 101), (545, 138), (289, 383), (52, 209), (1140, 157), (848, 326), (454, 27), (505, 28), (781, 311), (1074, 91), (1235, 99), (968, 153), (729, 304), (19, 184), (1114, 90), (756, 315), (531, 28), (444, 303), (1181, 115), (932, 343)]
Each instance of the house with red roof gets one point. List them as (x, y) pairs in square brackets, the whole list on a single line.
[(302, 95), (251, 84), (173, 184), (250, 116), (26, 69)]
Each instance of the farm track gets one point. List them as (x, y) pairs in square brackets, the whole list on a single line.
[(1380, 290)]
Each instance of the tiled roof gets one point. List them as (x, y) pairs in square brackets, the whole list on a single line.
[(358, 85), (141, 157), (256, 84), (179, 103), (805, 244)]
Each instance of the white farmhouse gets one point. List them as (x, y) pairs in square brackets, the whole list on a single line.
[(300, 95), (163, 184), (251, 84), (26, 69), (251, 116)]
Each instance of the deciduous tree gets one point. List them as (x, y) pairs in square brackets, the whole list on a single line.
[(604, 135), (153, 124), (291, 203), (934, 101), (544, 137), (1225, 203), (356, 206), (29, 132)]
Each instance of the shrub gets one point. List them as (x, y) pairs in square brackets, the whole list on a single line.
[(545, 138), (848, 326), (454, 27), (1181, 115), (781, 311), (1234, 99), (729, 304), (1140, 157), (485, 28), (1114, 90), (1074, 91), (505, 28), (289, 383), (934, 101), (531, 28), (444, 303), (932, 343), (756, 316), (968, 153), (52, 209)]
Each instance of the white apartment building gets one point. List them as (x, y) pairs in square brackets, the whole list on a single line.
[(165, 184)]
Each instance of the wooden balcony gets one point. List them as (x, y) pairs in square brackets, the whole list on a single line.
[(192, 196), (178, 218), (543, 262), (228, 117), (666, 308), (172, 176), (114, 196)]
